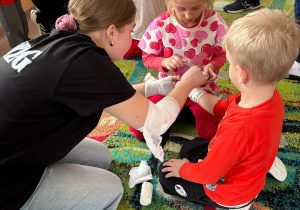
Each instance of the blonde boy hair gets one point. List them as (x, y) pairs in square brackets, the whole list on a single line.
[(208, 5), (265, 42), (93, 15)]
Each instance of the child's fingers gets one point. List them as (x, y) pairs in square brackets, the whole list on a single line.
[(213, 78), (176, 78), (184, 60), (177, 61), (169, 175), (169, 67), (169, 162), (212, 75), (173, 62), (180, 62), (168, 170)]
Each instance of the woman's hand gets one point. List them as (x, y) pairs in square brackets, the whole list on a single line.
[(172, 63), (194, 77), (173, 167)]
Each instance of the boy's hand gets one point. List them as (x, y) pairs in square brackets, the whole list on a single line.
[(174, 167), (172, 63), (209, 71)]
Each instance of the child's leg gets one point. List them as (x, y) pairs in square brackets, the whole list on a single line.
[(194, 149), (137, 134), (79, 181), (23, 19), (206, 123), (184, 189), (14, 22)]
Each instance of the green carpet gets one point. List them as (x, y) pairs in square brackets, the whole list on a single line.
[(128, 151)]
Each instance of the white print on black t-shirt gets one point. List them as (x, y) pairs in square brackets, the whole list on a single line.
[(20, 56), (179, 189)]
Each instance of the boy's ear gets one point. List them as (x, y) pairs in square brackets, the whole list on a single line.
[(243, 74)]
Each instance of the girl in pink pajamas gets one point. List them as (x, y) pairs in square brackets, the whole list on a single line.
[(188, 34)]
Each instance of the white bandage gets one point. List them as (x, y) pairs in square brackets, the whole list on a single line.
[(196, 93), (162, 86), (159, 118), (139, 174), (146, 193)]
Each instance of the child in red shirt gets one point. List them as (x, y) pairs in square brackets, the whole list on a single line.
[(230, 170)]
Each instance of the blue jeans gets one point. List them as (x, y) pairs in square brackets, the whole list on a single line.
[(297, 18), (79, 181)]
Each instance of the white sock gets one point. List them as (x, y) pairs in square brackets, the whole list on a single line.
[(295, 70)]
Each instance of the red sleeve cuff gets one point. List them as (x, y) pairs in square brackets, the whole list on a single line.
[(182, 171), (7, 2), (152, 61)]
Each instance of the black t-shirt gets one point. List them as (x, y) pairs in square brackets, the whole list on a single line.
[(53, 90)]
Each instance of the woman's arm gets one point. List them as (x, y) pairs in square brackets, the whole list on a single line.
[(140, 88), (155, 119), (134, 110)]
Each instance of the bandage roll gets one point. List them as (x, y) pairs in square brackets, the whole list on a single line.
[(146, 193)]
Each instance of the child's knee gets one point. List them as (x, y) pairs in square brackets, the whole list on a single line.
[(207, 129), (163, 180)]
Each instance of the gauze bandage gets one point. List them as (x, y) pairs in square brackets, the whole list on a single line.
[(146, 193), (159, 118), (196, 93), (162, 86), (139, 174)]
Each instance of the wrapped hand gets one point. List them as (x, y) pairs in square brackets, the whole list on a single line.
[(196, 93)]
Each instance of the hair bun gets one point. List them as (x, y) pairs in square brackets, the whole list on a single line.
[(66, 22)]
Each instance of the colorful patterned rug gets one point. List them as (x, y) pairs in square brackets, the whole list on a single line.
[(128, 151)]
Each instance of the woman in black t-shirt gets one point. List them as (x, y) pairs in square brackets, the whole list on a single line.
[(53, 90)]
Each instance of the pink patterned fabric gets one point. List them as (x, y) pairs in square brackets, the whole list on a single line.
[(199, 44), (66, 22)]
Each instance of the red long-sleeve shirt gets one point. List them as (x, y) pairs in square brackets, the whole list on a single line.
[(241, 153)]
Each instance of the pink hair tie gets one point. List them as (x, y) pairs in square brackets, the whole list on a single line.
[(66, 22)]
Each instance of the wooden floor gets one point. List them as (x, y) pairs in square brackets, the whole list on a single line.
[(4, 45)]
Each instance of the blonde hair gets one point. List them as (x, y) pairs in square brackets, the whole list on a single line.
[(265, 42), (208, 5), (93, 15)]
